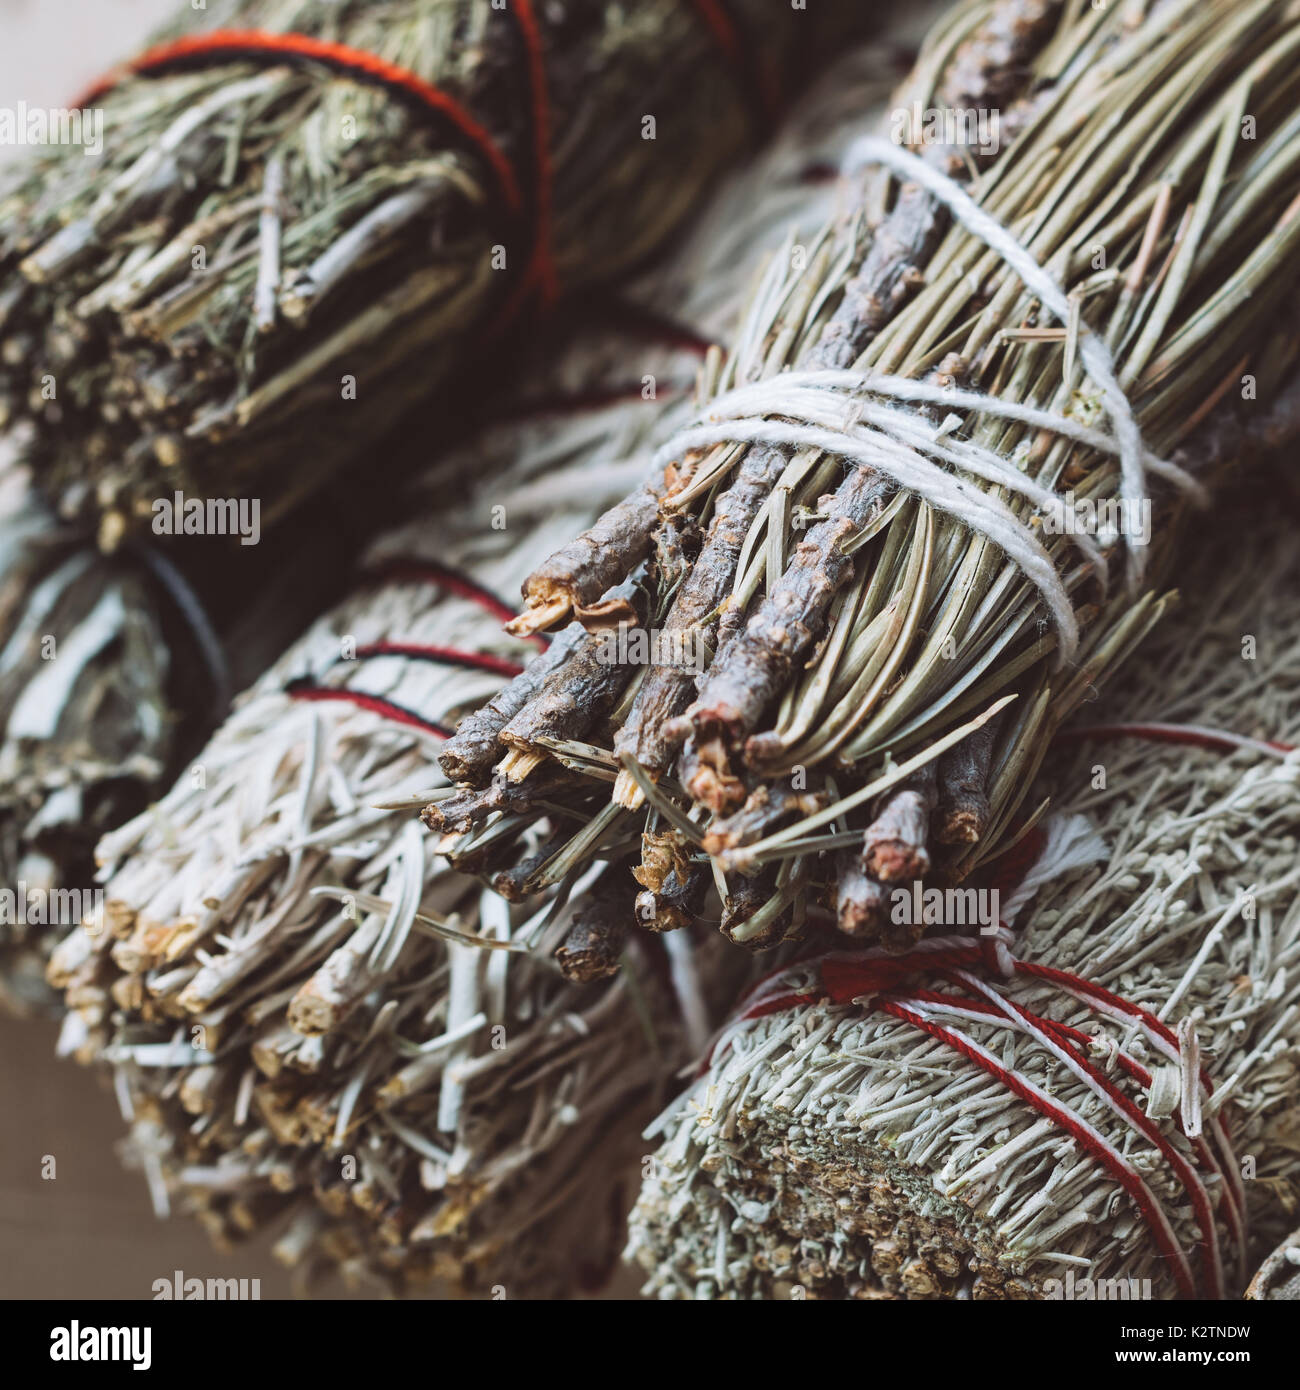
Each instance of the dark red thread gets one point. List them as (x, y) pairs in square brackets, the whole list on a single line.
[(873, 981), (255, 45), (759, 85), (259, 46), (541, 270), (440, 656), (1218, 741), (305, 690), (413, 569), (1126, 1179)]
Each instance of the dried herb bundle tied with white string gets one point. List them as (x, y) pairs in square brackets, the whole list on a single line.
[(416, 1073), (939, 466), (1117, 1116), (305, 214)]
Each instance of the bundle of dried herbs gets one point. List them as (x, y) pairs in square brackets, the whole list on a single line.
[(433, 1080), (844, 1150), (112, 670), (305, 214), (83, 710), (920, 491)]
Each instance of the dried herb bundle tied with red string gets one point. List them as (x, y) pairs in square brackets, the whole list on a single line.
[(1105, 1105), (304, 215), (922, 512), (418, 1075)]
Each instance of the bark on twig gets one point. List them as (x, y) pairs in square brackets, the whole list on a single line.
[(963, 798), (469, 755), (894, 848)]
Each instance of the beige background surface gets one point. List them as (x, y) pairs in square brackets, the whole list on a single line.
[(51, 49), (89, 1233)]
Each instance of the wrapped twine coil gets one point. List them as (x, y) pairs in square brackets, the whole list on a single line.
[(840, 1150), (409, 1101)]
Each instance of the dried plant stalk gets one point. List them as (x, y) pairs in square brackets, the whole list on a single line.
[(846, 1152), (269, 265)]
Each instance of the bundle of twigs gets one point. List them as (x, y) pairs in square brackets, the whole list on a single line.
[(844, 1150), (424, 1073), (305, 214), (884, 553)]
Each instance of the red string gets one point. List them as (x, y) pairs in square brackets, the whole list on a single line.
[(1142, 1122), (844, 980), (429, 571), (541, 271), (259, 46), (414, 569), (444, 656), (255, 45), (399, 714), (718, 21), (1126, 1179), (1192, 735)]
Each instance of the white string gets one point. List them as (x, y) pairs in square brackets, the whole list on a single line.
[(896, 443), (982, 512), (871, 149), (903, 388), (1072, 842)]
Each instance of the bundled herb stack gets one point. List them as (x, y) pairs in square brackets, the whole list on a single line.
[(432, 1079), (849, 1149), (83, 713), (306, 214), (112, 669), (891, 570)]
